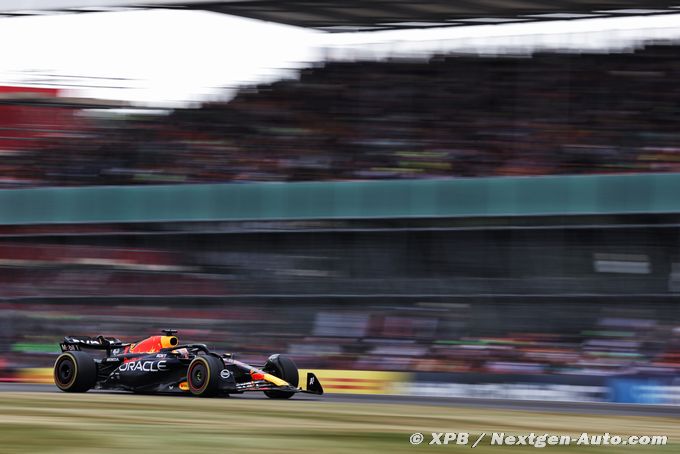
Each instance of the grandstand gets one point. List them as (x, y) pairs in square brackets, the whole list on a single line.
[(448, 118)]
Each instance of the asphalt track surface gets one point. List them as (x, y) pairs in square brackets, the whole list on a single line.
[(594, 408)]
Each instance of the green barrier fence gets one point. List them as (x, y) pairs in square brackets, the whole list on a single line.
[(465, 197)]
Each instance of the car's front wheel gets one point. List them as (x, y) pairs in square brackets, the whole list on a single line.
[(284, 368), (75, 372)]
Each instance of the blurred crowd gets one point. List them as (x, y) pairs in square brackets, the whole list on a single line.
[(458, 116), (413, 337), (555, 303)]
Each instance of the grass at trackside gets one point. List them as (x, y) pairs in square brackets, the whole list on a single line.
[(120, 423)]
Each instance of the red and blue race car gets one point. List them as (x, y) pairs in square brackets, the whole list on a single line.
[(160, 364)]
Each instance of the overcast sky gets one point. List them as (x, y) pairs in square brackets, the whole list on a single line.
[(170, 57)]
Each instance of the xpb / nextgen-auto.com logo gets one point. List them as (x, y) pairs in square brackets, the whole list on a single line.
[(535, 440)]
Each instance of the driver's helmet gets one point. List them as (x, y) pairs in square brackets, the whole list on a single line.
[(182, 353)]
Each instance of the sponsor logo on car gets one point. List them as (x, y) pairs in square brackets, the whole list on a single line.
[(225, 373), (85, 341), (69, 347), (144, 366)]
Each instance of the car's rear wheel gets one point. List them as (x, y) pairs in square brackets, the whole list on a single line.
[(203, 376), (75, 372), (284, 368)]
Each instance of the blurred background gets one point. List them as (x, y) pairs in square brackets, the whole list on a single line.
[(498, 220)]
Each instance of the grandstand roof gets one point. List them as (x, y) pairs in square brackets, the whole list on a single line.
[(367, 15)]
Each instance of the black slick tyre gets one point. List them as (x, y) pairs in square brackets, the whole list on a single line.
[(75, 372), (284, 368)]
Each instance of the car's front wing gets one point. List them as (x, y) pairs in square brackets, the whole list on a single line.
[(263, 381)]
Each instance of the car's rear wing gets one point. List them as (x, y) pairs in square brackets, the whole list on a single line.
[(71, 343)]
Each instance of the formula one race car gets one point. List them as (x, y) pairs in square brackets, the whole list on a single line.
[(159, 364)]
